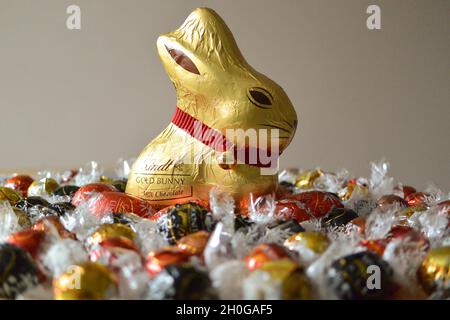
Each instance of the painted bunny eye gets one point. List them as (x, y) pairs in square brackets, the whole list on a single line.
[(182, 60), (260, 97)]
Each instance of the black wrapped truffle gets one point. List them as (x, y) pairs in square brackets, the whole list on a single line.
[(338, 217), (129, 219), (184, 219), (62, 207), (26, 204), (290, 227), (187, 283), (241, 222), (36, 208), (120, 185), (67, 190), (361, 276), (288, 185), (17, 271)]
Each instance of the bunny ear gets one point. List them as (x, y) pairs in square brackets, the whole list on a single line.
[(182, 60)]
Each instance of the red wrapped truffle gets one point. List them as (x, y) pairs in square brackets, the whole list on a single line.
[(160, 259), (20, 183), (287, 209), (110, 249), (397, 232), (117, 202), (444, 205), (194, 243), (87, 191), (377, 246), (389, 200), (29, 240), (52, 223), (319, 203), (263, 253), (403, 191), (360, 224), (418, 199), (410, 233)]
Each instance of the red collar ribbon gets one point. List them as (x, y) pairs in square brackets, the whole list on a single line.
[(215, 139)]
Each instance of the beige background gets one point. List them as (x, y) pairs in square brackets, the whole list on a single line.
[(67, 97)]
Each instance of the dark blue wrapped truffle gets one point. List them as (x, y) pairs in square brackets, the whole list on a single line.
[(338, 217), (184, 219), (67, 190), (361, 276), (187, 283), (18, 272)]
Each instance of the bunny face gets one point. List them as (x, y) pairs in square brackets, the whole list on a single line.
[(217, 86)]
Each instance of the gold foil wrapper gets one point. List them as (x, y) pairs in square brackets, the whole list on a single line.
[(10, 195), (294, 284), (43, 187), (314, 241), (107, 231), (106, 179), (217, 92), (87, 281), (406, 213), (347, 192), (194, 243), (435, 270), (306, 179), (22, 218)]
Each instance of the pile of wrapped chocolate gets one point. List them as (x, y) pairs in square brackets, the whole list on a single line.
[(322, 235)]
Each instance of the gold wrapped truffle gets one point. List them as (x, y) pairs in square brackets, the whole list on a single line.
[(43, 187), (434, 273), (108, 231), (10, 195), (106, 179), (306, 179), (314, 241), (294, 284), (20, 183), (406, 213), (87, 281), (22, 218), (358, 186)]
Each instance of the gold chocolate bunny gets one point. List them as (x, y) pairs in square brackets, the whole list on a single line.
[(218, 93)]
